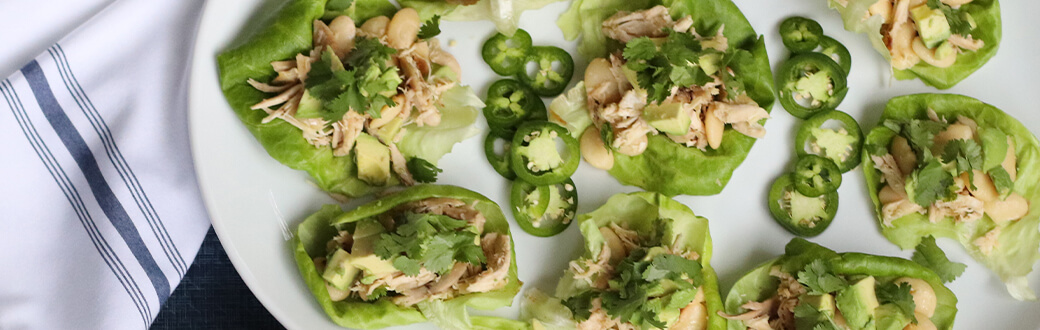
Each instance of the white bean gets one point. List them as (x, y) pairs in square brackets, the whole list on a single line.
[(594, 151), (923, 323), (713, 127), (374, 27), (1013, 208), (343, 33), (904, 155), (928, 55), (617, 249), (403, 28), (984, 188), (924, 296)]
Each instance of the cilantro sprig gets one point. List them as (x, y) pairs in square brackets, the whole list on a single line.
[(820, 279), (429, 240), (929, 255), (898, 295), (363, 82), (431, 28), (678, 61), (929, 184)]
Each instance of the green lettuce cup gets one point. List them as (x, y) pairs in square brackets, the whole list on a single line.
[(683, 132), (812, 287), (327, 149), (425, 253), (954, 41), (646, 263), (504, 13), (989, 211)]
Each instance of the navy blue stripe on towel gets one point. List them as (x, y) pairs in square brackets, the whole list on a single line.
[(127, 175), (72, 195), (102, 192)]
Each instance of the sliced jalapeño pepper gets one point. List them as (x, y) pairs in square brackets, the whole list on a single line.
[(545, 210), (834, 135), (509, 103), (811, 83), (499, 161), (815, 176), (799, 214), (800, 34), (537, 159), (837, 52), (552, 70), (506, 55)]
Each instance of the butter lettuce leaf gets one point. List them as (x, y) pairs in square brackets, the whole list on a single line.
[(654, 217), (504, 13), (288, 34), (985, 13), (758, 285), (319, 228), (668, 167), (1017, 245)]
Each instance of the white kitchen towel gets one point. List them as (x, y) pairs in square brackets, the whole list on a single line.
[(100, 214)]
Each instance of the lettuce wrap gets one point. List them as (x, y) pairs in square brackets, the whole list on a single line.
[(642, 229), (504, 13), (984, 22), (312, 242), (807, 269), (1008, 247), (290, 33), (674, 163)]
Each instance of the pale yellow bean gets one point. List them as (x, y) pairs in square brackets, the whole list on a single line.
[(713, 128), (599, 78), (446, 59), (904, 155), (1010, 163), (1013, 208), (882, 8), (402, 30), (336, 294), (343, 33), (594, 151), (375, 27), (924, 295), (984, 188), (617, 249), (923, 323), (952, 132), (694, 316), (888, 195)]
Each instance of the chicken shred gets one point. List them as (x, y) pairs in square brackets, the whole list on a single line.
[(625, 26)]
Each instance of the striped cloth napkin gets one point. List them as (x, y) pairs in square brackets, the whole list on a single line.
[(101, 214)]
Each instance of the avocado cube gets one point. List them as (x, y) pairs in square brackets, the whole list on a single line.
[(390, 130), (672, 118), (931, 25), (710, 63), (890, 317), (339, 272), (858, 302), (373, 160), (945, 49), (823, 303), (373, 265), (365, 235), (310, 107)]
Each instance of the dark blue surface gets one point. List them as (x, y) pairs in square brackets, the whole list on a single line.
[(213, 296)]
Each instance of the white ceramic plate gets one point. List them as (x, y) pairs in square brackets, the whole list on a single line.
[(254, 201)]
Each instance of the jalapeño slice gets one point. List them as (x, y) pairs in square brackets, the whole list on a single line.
[(509, 103), (834, 135), (801, 215), (499, 161), (815, 176), (811, 83), (545, 210), (535, 157), (837, 52), (506, 55), (800, 34), (552, 70)]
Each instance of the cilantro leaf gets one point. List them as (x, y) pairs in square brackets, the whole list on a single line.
[(806, 313), (431, 28), (899, 295), (673, 267), (363, 82), (966, 154), (921, 135), (929, 184), (1002, 181), (959, 23), (432, 241), (820, 279), (641, 48), (422, 170), (929, 255), (407, 266), (580, 305)]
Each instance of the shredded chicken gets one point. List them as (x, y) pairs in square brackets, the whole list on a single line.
[(499, 255), (345, 132), (787, 299), (988, 242), (898, 209), (586, 269), (400, 165), (889, 171), (967, 43), (899, 32), (599, 320), (625, 26), (964, 208), (744, 117)]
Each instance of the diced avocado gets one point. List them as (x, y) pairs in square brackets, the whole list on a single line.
[(310, 107), (890, 317), (373, 160), (365, 235), (818, 85), (833, 144), (630, 76), (945, 49), (661, 287), (971, 20), (823, 303), (654, 252), (669, 315), (673, 118), (373, 265), (931, 25), (710, 62), (806, 210), (389, 131), (858, 302), (339, 272)]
